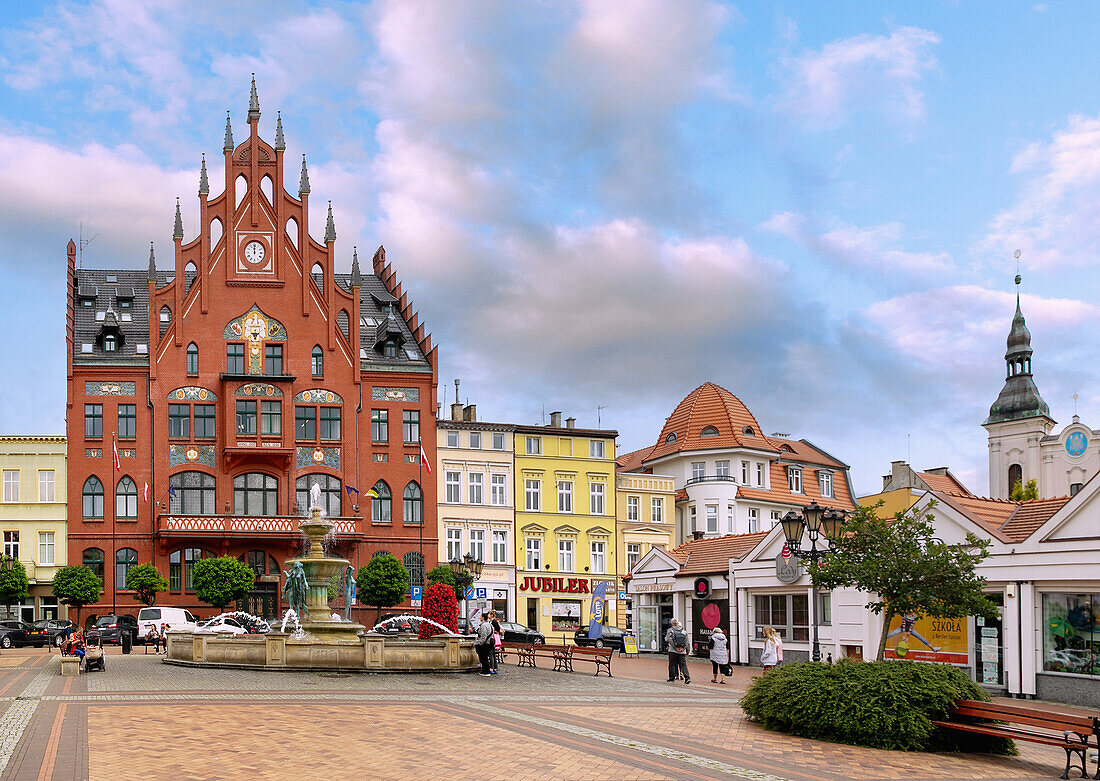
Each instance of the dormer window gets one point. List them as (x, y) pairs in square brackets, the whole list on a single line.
[(670, 438), (125, 303), (110, 344), (709, 431), (389, 349), (748, 432), (87, 302)]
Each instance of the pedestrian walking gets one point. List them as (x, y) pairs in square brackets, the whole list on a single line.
[(676, 643), (778, 649), (483, 644), (162, 640), (497, 644), (719, 655), (769, 657)]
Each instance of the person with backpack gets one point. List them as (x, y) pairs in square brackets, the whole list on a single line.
[(677, 645), (483, 644)]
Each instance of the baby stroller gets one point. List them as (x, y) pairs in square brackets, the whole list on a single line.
[(94, 658)]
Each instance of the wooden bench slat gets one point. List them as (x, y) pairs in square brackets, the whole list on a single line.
[(1016, 713), (1003, 731)]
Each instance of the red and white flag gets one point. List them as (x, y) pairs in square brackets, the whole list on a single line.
[(147, 492), (424, 459), (114, 447)]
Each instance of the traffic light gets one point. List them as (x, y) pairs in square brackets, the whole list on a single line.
[(702, 588)]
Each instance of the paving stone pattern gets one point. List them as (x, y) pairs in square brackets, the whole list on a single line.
[(527, 725)]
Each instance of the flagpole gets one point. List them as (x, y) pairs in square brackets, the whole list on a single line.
[(423, 496), (114, 551)]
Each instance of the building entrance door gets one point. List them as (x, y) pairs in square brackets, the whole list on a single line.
[(532, 613), (665, 612), (260, 601)]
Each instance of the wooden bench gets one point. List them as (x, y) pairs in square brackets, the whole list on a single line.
[(601, 656), (1076, 734), (527, 653)]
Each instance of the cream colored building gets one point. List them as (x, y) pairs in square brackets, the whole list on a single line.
[(644, 518), (475, 467), (32, 517)]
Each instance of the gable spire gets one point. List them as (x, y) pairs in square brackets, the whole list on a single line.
[(253, 103), (152, 264), (204, 183), (330, 227), (280, 144), (228, 145), (356, 276), (177, 231), (303, 182)]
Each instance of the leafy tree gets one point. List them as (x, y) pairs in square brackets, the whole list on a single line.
[(76, 586), (906, 569), (441, 573), (1024, 492), (222, 580), (145, 582), (383, 582), (440, 606), (13, 585)]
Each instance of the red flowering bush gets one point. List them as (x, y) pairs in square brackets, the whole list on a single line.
[(440, 606)]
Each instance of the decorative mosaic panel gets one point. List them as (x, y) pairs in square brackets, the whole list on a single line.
[(191, 454), (127, 452), (261, 389), (318, 396), (93, 452), (395, 394), (318, 456), (109, 389), (255, 325), (192, 393)]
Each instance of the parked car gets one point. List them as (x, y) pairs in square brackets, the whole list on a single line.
[(222, 625), (512, 632), (14, 632), (109, 629), (612, 637), (174, 617), (58, 629)]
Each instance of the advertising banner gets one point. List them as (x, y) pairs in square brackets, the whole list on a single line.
[(595, 618), (565, 616), (923, 639), (705, 615)]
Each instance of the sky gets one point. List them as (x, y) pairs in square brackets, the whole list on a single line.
[(595, 207)]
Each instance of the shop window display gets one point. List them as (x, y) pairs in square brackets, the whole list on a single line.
[(1071, 633)]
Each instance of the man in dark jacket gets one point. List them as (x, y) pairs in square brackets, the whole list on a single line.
[(676, 643)]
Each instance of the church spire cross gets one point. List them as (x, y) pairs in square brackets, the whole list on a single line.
[(253, 103), (228, 146), (330, 226), (280, 144), (303, 182), (177, 231), (204, 183)]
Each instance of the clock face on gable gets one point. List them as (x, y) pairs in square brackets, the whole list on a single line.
[(253, 255), (1076, 443)]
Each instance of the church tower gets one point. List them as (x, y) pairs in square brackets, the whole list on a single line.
[(1019, 418)]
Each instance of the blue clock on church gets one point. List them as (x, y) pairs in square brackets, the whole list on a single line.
[(1076, 443)]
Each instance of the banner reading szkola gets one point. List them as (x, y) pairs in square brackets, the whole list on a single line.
[(922, 639)]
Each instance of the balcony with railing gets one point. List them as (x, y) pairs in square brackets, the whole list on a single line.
[(711, 479), (248, 525)]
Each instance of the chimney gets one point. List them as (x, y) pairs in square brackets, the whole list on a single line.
[(697, 534), (570, 422), (555, 420), (456, 411), (469, 414)]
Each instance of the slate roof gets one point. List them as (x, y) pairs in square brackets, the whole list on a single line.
[(712, 554)]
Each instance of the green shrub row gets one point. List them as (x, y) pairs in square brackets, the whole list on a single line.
[(888, 705)]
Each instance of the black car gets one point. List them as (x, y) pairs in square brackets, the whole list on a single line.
[(109, 629), (58, 629), (13, 632), (512, 632), (612, 637)]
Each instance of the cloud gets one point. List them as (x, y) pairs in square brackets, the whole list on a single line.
[(870, 251), (823, 87), (1055, 220)]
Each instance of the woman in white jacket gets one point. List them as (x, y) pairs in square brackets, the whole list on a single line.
[(770, 655), (719, 655)]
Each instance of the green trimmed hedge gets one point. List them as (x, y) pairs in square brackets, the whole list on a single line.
[(887, 705)]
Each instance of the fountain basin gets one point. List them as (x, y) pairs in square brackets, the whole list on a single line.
[(283, 651)]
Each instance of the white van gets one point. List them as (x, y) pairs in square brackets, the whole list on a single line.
[(175, 617)]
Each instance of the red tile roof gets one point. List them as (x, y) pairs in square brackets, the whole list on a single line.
[(712, 554), (1005, 520), (948, 483), (708, 406), (632, 461)]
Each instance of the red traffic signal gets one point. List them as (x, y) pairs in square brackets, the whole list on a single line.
[(702, 588)]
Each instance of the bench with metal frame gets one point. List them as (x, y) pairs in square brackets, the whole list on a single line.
[(601, 656), (527, 653), (1076, 734)]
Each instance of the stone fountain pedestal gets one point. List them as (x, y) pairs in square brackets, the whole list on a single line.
[(320, 569)]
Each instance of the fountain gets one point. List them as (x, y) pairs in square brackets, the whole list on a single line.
[(322, 640)]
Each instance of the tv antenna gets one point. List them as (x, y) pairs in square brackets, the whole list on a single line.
[(82, 243), (598, 408)]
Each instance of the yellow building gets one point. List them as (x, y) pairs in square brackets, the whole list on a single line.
[(644, 518), (565, 525), (904, 486), (32, 517)]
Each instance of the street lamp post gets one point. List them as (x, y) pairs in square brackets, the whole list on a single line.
[(466, 567), (814, 521)]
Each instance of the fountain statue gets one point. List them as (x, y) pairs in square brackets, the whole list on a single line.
[(349, 591), (296, 588)]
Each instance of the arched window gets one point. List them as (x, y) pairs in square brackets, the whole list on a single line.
[(413, 504), (175, 582), (748, 432), (189, 274), (124, 559), (257, 561), (1015, 475), (192, 358), (126, 498), (381, 509), (709, 431), (93, 498), (317, 361), (191, 493), (671, 437), (184, 576), (330, 493), (343, 323), (92, 558), (165, 318), (318, 274), (414, 563), (378, 553), (255, 493)]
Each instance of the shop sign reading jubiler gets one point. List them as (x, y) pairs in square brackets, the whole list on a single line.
[(555, 585)]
